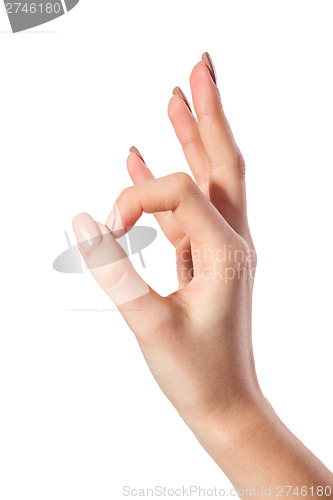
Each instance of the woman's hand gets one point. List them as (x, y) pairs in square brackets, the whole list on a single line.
[(197, 341)]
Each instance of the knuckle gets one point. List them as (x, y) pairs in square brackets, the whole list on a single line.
[(240, 253), (235, 255), (245, 256), (184, 181), (125, 192), (212, 112), (156, 328), (125, 196), (118, 277)]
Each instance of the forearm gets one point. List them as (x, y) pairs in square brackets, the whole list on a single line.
[(256, 451)]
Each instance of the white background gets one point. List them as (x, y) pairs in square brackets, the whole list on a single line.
[(80, 414)]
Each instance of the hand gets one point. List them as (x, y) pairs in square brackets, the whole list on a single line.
[(197, 341)]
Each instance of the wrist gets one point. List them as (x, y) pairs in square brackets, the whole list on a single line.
[(227, 433), (255, 449), (231, 421)]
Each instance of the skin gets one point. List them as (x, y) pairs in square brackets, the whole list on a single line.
[(197, 341)]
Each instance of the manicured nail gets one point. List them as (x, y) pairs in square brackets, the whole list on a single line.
[(87, 232), (137, 152), (210, 65), (114, 223), (178, 91)]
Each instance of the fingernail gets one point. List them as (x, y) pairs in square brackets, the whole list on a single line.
[(210, 65), (114, 223), (87, 232), (110, 221), (137, 152), (178, 91)]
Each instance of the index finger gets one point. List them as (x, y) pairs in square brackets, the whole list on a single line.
[(196, 215)]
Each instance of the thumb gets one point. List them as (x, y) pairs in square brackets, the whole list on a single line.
[(114, 272)]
